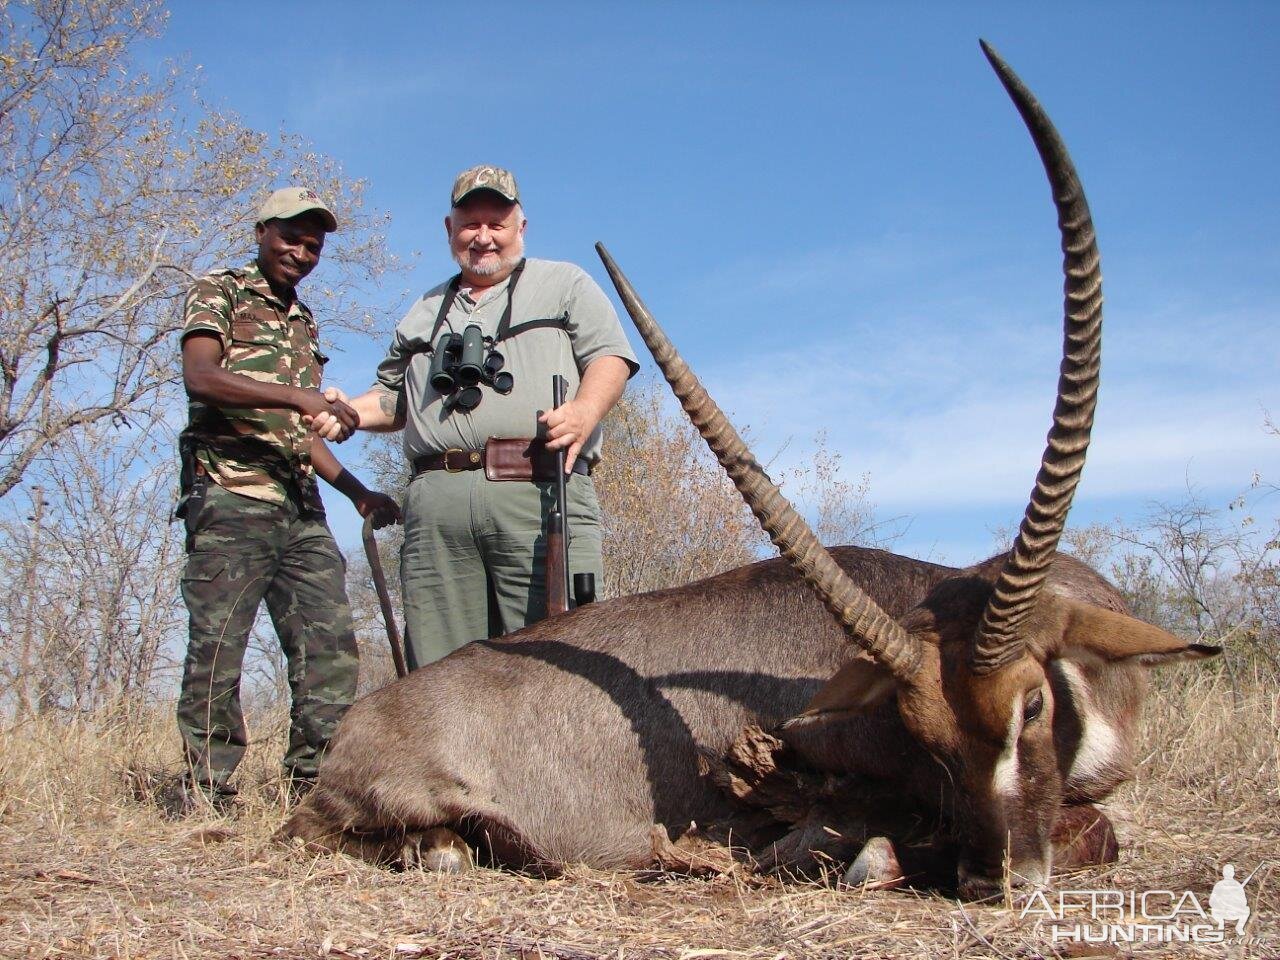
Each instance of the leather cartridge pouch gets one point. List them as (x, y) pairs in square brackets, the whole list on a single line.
[(518, 458)]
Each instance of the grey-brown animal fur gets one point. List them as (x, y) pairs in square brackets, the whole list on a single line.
[(566, 742)]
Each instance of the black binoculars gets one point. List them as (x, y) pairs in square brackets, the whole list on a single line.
[(460, 362)]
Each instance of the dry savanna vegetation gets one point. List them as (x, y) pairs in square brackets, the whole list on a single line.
[(89, 870), (90, 866), (117, 188)]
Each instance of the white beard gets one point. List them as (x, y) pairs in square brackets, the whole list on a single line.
[(489, 268)]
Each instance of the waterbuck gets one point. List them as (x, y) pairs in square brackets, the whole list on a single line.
[(972, 703)]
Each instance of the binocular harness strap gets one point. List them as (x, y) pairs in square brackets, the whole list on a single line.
[(451, 293)]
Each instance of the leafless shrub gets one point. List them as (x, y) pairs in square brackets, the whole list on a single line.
[(118, 188), (1195, 571), (669, 513), (97, 560)]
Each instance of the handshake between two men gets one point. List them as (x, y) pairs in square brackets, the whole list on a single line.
[(331, 417), (566, 427), (334, 420)]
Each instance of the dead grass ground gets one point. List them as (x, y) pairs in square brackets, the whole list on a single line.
[(88, 871)]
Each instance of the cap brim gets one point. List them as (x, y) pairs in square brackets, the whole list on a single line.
[(497, 193), (330, 221), (326, 215)]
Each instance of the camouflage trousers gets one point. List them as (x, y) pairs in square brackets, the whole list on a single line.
[(241, 552)]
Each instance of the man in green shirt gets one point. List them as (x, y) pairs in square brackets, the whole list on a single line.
[(256, 526), (472, 563)]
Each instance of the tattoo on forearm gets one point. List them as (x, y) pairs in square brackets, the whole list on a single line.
[(390, 403)]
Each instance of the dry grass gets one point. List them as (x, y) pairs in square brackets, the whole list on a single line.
[(86, 870)]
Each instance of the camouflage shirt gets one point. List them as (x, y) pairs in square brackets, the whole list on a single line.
[(264, 454)]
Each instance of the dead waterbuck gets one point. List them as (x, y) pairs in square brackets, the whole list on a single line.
[(971, 704)]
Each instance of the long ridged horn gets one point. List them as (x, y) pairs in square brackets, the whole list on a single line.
[(869, 626), (999, 639)]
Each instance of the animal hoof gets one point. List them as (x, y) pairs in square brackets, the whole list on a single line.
[(447, 860), (876, 867), (438, 850)]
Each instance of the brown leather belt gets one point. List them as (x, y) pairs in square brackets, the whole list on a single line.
[(503, 458)]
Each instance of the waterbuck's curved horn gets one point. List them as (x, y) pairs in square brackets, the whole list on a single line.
[(999, 639), (869, 626)]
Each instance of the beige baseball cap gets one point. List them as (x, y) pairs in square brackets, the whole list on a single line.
[(485, 177), (290, 202)]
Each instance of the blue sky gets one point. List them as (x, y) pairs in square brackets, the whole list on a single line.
[(837, 215)]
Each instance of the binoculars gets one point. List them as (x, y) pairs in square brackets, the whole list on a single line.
[(460, 362)]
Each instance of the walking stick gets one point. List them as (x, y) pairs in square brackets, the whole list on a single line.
[(384, 598)]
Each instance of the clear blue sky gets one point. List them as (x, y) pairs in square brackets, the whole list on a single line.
[(837, 214)]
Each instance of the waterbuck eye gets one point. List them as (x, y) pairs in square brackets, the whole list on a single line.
[(1033, 706)]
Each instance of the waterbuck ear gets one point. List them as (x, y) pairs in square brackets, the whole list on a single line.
[(858, 686), (1117, 636)]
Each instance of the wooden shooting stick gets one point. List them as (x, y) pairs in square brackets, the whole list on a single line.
[(384, 598)]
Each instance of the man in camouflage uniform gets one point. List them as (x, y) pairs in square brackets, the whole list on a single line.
[(256, 527)]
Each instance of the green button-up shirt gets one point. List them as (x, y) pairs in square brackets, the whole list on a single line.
[(256, 453)]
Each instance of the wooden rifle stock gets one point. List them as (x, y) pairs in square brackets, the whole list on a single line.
[(557, 595), (557, 560)]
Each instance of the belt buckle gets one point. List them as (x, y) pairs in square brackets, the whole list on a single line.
[(447, 467)]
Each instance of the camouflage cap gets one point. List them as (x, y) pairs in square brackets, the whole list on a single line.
[(485, 177), (290, 202)]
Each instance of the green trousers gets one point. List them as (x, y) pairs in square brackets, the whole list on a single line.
[(242, 552), (472, 564)]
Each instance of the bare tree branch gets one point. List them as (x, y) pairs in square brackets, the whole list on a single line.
[(117, 189)]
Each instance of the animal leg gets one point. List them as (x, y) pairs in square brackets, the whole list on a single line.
[(319, 832), (1083, 837), (321, 829), (690, 854), (813, 844)]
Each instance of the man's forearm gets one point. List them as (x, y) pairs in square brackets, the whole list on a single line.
[(207, 382), (381, 410), (220, 388), (332, 472), (602, 385), (378, 507)]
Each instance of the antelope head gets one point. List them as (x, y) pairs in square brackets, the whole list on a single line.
[(970, 668)]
